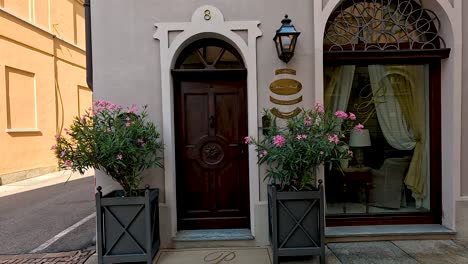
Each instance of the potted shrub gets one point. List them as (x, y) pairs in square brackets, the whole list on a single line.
[(293, 153), (121, 143)]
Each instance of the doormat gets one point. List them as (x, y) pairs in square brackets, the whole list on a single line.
[(214, 256)]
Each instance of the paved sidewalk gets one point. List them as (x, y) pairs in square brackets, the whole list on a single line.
[(378, 252), (72, 257), (41, 182), (382, 252)]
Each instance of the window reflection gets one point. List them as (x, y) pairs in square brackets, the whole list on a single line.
[(390, 170)]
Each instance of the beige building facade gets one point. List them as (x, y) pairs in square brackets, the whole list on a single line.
[(42, 81), (140, 50)]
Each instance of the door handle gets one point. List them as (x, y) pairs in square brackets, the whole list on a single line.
[(212, 121)]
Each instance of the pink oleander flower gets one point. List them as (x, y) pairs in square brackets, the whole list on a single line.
[(278, 141), (67, 163), (350, 153), (334, 139), (128, 118), (301, 137), (54, 147), (308, 121), (263, 154), (359, 127), (247, 140), (63, 153), (141, 141), (57, 137), (321, 152), (119, 156), (341, 114), (127, 124), (352, 116), (132, 110), (319, 108)]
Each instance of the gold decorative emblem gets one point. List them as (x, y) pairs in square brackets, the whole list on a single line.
[(285, 71), (285, 87), (285, 115), (286, 102)]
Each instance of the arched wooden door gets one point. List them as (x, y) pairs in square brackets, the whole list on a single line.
[(211, 121)]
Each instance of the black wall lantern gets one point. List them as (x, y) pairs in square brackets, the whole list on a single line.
[(285, 39)]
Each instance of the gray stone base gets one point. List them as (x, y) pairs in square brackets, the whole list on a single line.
[(26, 174), (387, 232), (214, 234)]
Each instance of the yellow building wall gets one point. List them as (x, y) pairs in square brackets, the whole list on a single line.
[(42, 81)]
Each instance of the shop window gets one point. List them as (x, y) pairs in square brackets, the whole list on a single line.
[(392, 101), (382, 62)]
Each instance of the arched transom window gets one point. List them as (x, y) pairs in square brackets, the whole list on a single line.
[(209, 54), (382, 25)]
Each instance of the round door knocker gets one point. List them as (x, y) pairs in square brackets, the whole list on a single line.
[(207, 15)]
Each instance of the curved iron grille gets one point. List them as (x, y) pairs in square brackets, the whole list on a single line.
[(382, 25)]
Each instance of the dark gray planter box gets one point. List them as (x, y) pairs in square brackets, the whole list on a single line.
[(127, 227), (297, 223)]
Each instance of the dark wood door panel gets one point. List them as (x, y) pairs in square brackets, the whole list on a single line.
[(233, 199), (227, 115), (195, 122), (196, 185), (212, 162)]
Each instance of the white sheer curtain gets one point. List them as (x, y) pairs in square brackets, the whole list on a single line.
[(400, 94), (338, 87)]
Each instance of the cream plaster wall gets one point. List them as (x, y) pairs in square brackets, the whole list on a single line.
[(462, 204), (57, 66), (464, 149)]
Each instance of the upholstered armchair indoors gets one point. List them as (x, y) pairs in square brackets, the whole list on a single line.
[(388, 188)]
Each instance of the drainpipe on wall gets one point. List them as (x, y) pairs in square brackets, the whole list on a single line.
[(89, 49)]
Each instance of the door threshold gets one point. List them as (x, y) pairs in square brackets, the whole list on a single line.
[(387, 232), (213, 235)]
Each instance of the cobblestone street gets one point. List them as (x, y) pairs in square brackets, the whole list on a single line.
[(72, 257)]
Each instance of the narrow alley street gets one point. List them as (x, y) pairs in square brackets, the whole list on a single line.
[(47, 214)]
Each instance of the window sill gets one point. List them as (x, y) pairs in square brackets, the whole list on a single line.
[(22, 130)]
